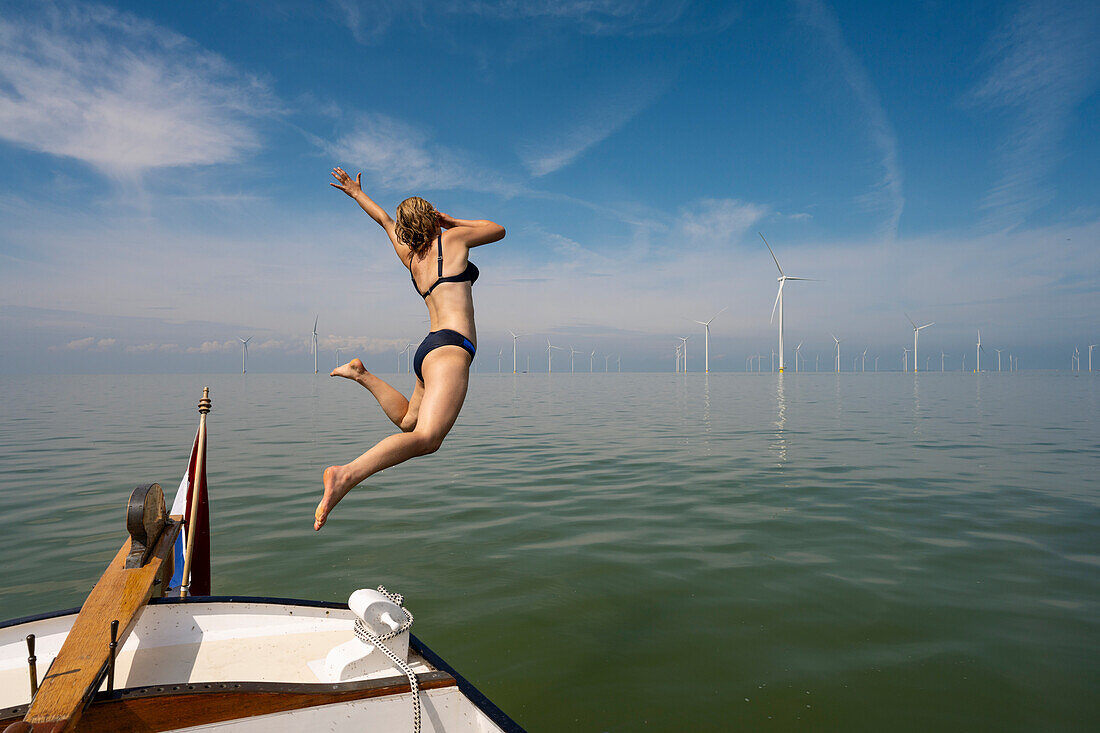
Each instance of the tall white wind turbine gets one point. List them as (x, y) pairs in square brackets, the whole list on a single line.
[(500, 359), (550, 350), (998, 358), (706, 347), (916, 332), (572, 351), (313, 344), (783, 278), (1091, 347), (244, 363), (514, 337), (592, 360), (837, 353), (797, 355), (685, 340), (942, 355), (978, 350), (864, 364)]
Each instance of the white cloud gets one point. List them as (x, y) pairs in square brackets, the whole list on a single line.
[(120, 93), (91, 343), (590, 127), (721, 220), (1045, 64), (400, 156), (887, 193)]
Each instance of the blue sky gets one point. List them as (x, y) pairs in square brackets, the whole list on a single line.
[(163, 176)]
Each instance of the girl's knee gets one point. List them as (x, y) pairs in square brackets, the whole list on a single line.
[(429, 443), (407, 425)]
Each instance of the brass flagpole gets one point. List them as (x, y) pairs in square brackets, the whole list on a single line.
[(204, 407)]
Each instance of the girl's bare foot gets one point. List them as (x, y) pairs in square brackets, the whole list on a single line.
[(352, 370), (334, 492)]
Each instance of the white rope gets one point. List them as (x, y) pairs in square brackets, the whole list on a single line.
[(364, 635)]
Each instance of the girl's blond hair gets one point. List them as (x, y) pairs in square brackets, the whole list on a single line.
[(416, 224)]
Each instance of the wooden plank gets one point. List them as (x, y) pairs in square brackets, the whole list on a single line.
[(78, 669), (189, 708)]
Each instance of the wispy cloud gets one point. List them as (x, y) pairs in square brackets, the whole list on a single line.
[(120, 93), (720, 220), (399, 156), (887, 193), (1045, 62), (562, 146)]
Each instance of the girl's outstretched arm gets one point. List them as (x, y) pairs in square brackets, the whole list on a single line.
[(353, 189)]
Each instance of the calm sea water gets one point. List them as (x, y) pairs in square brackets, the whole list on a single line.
[(623, 552)]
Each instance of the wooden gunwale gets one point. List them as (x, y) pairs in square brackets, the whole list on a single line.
[(169, 707)]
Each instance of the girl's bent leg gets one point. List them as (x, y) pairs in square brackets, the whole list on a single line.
[(392, 402)]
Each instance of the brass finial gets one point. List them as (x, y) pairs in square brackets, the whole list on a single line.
[(204, 403)]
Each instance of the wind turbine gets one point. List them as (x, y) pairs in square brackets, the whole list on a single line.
[(942, 355), (1075, 358), (864, 365), (619, 362), (876, 364), (549, 351), (1091, 347), (706, 347), (998, 358), (678, 347), (514, 337), (837, 353), (605, 360), (783, 278), (916, 332), (408, 358), (797, 355), (979, 351), (685, 340), (572, 351), (399, 355), (905, 356), (313, 344), (500, 359), (338, 357), (244, 343), (592, 359)]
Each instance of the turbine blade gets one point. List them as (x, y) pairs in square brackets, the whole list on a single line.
[(716, 315), (909, 319), (773, 253), (778, 295)]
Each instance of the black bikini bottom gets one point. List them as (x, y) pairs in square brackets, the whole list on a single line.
[(435, 339)]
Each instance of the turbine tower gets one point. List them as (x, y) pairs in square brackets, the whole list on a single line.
[(500, 359), (592, 359), (905, 356), (685, 340), (514, 337), (572, 351), (549, 350), (313, 344), (942, 355), (1091, 347), (797, 355), (916, 332), (244, 363), (998, 358), (783, 278), (706, 347), (837, 353), (978, 350)]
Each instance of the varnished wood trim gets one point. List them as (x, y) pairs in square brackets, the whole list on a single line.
[(167, 707)]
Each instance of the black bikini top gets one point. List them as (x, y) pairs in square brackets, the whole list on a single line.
[(468, 275)]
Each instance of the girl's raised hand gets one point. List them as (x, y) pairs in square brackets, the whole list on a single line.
[(345, 183), (446, 222)]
